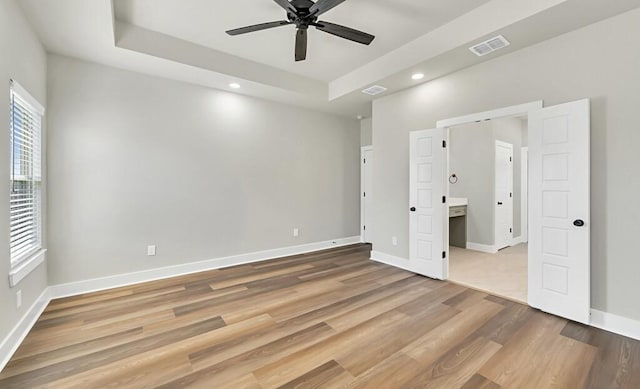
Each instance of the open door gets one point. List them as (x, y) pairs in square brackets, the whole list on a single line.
[(559, 210), (503, 206), (428, 214)]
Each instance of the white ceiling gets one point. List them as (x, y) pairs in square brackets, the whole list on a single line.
[(204, 22), (185, 40)]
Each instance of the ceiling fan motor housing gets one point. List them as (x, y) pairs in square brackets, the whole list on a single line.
[(303, 19)]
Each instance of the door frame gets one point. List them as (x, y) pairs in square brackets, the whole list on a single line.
[(500, 113), (499, 143), (524, 194), (363, 209)]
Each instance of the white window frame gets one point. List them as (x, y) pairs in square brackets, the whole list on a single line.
[(29, 260)]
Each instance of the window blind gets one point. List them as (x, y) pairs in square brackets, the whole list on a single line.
[(26, 175)]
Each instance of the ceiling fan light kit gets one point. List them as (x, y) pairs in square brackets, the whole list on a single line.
[(304, 14)]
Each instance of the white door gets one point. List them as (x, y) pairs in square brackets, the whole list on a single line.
[(559, 217), (524, 197), (427, 203), (503, 195), (367, 193)]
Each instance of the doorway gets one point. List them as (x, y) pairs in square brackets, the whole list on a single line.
[(485, 211), (558, 191)]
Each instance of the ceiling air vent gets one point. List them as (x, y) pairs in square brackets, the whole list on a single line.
[(489, 46), (374, 90)]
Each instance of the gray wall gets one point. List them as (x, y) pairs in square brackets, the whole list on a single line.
[(566, 68), (22, 58), (472, 158), (366, 132), (136, 160)]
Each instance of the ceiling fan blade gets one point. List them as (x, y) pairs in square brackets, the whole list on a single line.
[(323, 6), (257, 27), (345, 32), (286, 5), (301, 45)]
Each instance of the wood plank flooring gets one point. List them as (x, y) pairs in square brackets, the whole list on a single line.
[(326, 319)]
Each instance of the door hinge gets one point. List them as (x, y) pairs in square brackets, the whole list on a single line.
[(510, 159), (364, 160), (364, 228), (364, 194), (444, 199), (510, 229), (510, 194), (444, 144), (444, 255)]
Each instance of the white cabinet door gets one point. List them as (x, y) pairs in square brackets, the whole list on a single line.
[(427, 203), (559, 217)]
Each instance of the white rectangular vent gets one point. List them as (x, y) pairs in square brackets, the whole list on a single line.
[(489, 46), (374, 90)]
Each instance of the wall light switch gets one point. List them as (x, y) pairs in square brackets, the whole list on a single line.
[(19, 298), (151, 250), (394, 241), (296, 232)]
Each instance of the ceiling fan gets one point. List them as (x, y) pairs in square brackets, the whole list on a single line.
[(305, 13)]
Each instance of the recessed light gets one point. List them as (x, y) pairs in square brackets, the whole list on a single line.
[(234, 85), (417, 76)]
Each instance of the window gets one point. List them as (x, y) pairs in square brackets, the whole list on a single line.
[(26, 178)]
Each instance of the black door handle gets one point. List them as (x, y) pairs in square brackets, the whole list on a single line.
[(413, 209), (578, 223), (499, 202)]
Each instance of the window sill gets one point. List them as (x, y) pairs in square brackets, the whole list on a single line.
[(18, 273)]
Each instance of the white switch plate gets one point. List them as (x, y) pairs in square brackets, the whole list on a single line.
[(394, 241), (296, 232), (19, 298), (151, 250)]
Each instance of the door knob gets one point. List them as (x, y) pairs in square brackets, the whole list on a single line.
[(413, 209), (499, 202), (578, 223)]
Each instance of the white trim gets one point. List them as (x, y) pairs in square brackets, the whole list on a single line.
[(513, 110), (516, 241), (26, 96), (484, 248), (11, 343), (98, 284), (363, 149), (524, 194), (617, 324), (25, 267), (391, 260)]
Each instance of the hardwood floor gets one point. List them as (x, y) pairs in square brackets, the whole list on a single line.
[(326, 319)]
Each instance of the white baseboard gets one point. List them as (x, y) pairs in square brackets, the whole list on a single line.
[(390, 260), (98, 284), (484, 248), (11, 343), (617, 324), (517, 240)]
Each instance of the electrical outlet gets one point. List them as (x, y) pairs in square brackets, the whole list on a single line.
[(19, 299), (394, 240), (151, 250), (296, 232)]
